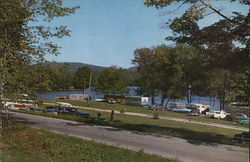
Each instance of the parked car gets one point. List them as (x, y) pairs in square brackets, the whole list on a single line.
[(217, 114), (53, 109), (241, 116), (193, 113), (242, 138), (63, 104), (73, 111), (34, 109), (245, 122), (111, 100), (173, 105), (157, 107), (237, 117), (182, 110), (99, 100)]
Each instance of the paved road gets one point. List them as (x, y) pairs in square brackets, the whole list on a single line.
[(167, 118), (166, 146)]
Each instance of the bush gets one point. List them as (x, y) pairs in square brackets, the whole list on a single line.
[(122, 111), (156, 115), (233, 113)]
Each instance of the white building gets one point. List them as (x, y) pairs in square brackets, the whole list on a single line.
[(78, 97)]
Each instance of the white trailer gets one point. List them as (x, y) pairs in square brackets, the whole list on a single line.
[(78, 97)]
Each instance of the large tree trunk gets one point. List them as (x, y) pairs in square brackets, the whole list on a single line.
[(153, 97)]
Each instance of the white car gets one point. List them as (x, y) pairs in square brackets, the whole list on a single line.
[(217, 114), (64, 104), (112, 101), (99, 100)]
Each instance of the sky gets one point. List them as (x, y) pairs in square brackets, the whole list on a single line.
[(106, 32)]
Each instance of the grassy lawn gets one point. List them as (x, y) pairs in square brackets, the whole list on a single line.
[(138, 109), (24, 144), (163, 127)]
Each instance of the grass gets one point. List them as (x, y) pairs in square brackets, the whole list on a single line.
[(138, 109), (24, 144), (163, 127)]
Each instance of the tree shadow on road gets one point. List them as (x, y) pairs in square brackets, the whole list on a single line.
[(21, 120), (192, 137)]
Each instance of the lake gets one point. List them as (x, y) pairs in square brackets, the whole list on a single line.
[(132, 92)]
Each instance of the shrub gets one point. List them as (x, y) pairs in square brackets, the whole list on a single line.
[(122, 111), (156, 115)]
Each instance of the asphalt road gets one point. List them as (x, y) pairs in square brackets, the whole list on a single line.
[(166, 146)]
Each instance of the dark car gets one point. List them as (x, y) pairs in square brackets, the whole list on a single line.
[(242, 138), (193, 113), (73, 111), (53, 108), (34, 109)]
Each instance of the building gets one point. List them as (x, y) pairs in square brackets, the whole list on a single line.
[(137, 100), (78, 97)]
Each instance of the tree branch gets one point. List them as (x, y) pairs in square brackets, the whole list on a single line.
[(216, 11)]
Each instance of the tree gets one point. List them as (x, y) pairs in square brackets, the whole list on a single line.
[(81, 77), (23, 41), (221, 85), (144, 59), (111, 81), (170, 70), (225, 43)]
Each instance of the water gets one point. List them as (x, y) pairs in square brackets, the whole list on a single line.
[(94, 95), (132, 92)]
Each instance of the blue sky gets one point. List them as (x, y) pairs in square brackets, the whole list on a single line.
[(106, 32)]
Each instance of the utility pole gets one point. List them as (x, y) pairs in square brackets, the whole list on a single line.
[(189, 99), (84, 87), (90, 78)]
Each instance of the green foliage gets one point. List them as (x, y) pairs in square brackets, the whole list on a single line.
[(111, 81), (123, 111), (81, 77), (170, 69), (221, 84), (25, 40), (223, 44), (59, 76), (242, 90), (156, 115)]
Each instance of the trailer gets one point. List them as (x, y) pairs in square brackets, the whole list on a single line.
[(76, 97), (137, 100), (197, 107)]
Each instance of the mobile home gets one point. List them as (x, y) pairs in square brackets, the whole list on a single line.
[(78, 97), (137, 100)]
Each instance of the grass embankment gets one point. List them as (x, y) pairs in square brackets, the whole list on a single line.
[(138, 109), (164, 127), (24, 144)]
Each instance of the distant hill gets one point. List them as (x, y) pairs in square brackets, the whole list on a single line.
[(94, 68), (133, 68), (75, 65)]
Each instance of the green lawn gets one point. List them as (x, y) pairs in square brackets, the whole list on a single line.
[(163, 127), (138, 109), (24, 144)]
